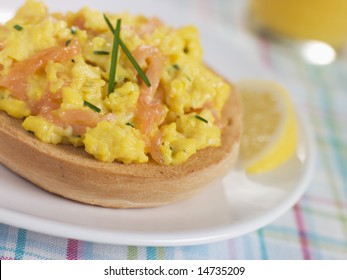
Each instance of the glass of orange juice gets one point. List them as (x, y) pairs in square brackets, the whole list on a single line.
[(320, 20)]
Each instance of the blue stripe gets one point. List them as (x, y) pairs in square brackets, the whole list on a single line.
[(151, 253), (4, 233), (87, 250), (248, 247), (193, 252), (170, 253), (21, 240), (36, 256), (263, 250)]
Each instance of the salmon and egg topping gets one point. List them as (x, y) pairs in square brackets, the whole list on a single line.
[(74, 80)]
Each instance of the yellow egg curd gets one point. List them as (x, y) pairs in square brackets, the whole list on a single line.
[(55, 75)]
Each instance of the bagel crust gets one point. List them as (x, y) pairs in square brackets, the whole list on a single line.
[(72, 173)]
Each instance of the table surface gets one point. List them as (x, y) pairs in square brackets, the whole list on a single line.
[(315, 228)]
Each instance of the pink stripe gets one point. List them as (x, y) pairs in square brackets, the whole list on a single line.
[(338, 116), (265, 52), (207, 10), (72, 249), (325, 201), (302, 232), (6, 258), (232, 249)]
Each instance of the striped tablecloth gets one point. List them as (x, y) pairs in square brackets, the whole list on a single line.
[(315, 228)]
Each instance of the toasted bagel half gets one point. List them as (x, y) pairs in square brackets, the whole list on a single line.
[(72, 173)]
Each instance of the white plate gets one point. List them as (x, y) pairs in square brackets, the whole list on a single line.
[(234, 206)]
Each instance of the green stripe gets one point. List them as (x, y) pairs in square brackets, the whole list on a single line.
[(160, 253), (132, 253)]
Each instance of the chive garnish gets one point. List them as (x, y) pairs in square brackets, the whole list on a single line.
[(67, 43), (176, 66), (18, 27), (73, 30), (114, 58), (201, 118), (129, 55), (129, 124), (101, 52), (91, 106), (109, 23)]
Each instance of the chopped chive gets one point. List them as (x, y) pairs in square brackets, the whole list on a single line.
[(67, 43), (101, 52), (18, 27), (129, 124), (114, 58), (171, 148), (129, 55), (201, 118), (91, 106), (109, 23), (176, 66), (73, 30)]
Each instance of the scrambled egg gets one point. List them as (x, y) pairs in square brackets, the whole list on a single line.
[(55, 71)]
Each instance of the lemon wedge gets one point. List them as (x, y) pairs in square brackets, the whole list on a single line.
[(270, 130)]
